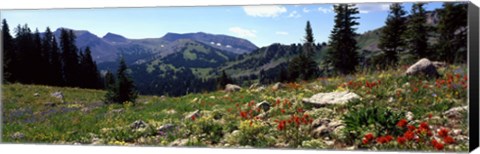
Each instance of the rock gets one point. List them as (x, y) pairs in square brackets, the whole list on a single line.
[(439, 64), (325, 127), (263, 105), (456, 112), (409, 116), (179, 142), (162, 130), (259, 89), (232, 88), (253, 86), (138, 124), (36, 94), (282, 145), (171, 111), (116, 111), (278, 86), (423, 66), (57, 94), (195, 114), (51, 104), (322, 99), (17, 135)]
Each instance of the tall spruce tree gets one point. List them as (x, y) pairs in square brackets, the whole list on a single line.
[(124, 89), (391, 38), (452, 29), (303, 65), (40, 62), (342, 54), (417, 32), (55, 70), (25, 48), (69, 58), (89, 73), (223, 80), (8, 54)]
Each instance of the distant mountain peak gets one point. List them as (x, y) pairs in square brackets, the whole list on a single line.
[(111, 37)]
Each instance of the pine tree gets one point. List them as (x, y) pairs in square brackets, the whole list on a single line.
[(342, 55), (56, 76), (223, 80), (89, 73), (109, 80), (8, 54), (391, 41), (69, 58), (417, 32), (40, 62), (25, 49), (124, 89), (452, 31)]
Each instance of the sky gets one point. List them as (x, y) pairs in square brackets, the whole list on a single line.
[(262, 25)]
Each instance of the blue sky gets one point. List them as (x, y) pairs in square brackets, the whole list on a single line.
[(262, 25)]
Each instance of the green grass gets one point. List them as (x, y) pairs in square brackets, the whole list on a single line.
[(84, 117)]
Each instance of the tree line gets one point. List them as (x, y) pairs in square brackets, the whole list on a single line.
[(34, 58)]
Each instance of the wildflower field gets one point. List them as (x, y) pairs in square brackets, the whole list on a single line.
[(395, 112)]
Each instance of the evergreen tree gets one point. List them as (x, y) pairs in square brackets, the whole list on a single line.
[(303, 65), (55, 61), (8, 54), (69, 58), (391, 41), (452, 29), (223, 80), (342, 54), (25, 49), (109, 80), (89, 73), (283, 76), (124, 89), (40, 62), (417, 32)]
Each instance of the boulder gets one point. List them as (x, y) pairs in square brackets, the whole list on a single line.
[(195, 114), (138, 124), (456, 112), (162, 130), (179, 142), (325, 127), (323, 99), (278, 86), (232, 88), (17, 135), (58, 95), (264, 105), (36, 94), (253, 86), (423, 67)]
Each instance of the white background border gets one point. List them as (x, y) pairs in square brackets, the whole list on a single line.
[(63, 149)]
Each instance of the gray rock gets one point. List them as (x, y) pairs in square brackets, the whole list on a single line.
[(259, 89), (456, 112), (36, 94), (17, 135), (58, 95), (323, 99), (325, 127), (264, 105), (195, 114), (423, 67), (162, 130), (232, 88), (278, 86), (179, 142), (138, 124), (253, 86)]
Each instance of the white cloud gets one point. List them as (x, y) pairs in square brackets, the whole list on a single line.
[(264, 11), (368, 8), (325, 10), (294, 14), (281, 33), (241, 32), (305, 10)]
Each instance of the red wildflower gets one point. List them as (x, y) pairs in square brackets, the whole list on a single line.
[(409, 135), (411, 128), (434, 142), (415, 89), (424, 125), (438, 146), (443, 132), (448, 140), (300, 110), (365, 141), (430, 116), (251, 123), (193, 118), (382, 140), (389, 138), (281, 125), (401, 140), (283, 110), (369, 136), (402, 123), (243, 114)]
